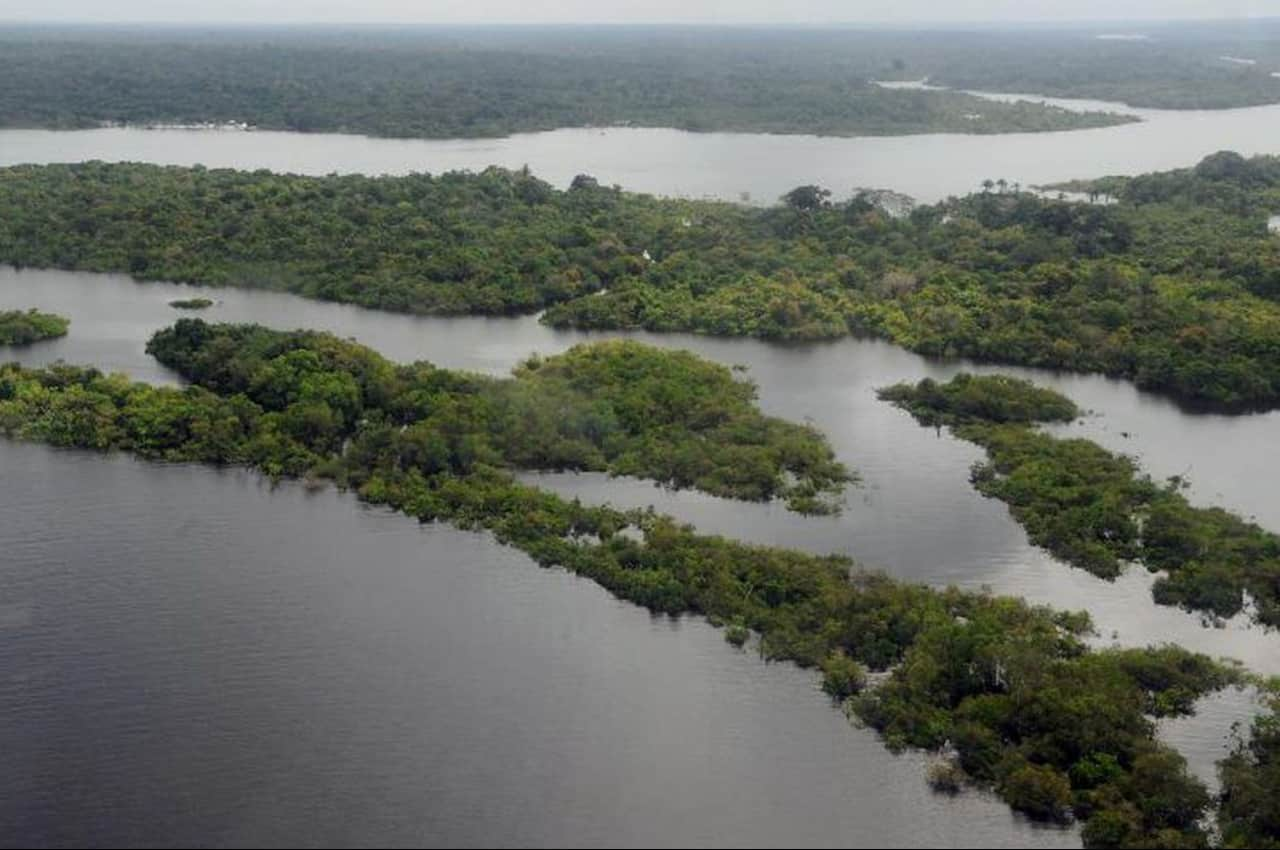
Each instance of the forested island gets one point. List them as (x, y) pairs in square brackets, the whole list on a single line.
[(447, 83), (23, 328), (1174, 286), (618, 407), (1011, 693), (1093, 509)]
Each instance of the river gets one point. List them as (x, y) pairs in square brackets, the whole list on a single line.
[(730, 166), (195, 658), (914, 515)]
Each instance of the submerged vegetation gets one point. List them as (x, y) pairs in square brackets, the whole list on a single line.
[(1176, 286), (1095, 509), (191, 303), (1057, 729), (23, 328)]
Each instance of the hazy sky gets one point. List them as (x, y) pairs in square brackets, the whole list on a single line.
[(623, 11)]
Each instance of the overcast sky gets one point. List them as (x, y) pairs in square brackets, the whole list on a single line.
[(628, 11)]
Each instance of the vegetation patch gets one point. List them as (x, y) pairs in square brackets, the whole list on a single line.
[(191, 303), (23, 328), (1249, 814), (1096, 510)]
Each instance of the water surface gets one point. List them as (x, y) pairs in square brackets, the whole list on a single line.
[(193, 658), (731, 166), (915, 514), (208, 662)]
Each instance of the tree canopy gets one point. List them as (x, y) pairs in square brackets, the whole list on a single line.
[(1175, 287)]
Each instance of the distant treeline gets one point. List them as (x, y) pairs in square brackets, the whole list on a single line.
[(460, 84)]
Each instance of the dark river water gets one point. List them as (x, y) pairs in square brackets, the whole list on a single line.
[(195, 658), (192, 658)]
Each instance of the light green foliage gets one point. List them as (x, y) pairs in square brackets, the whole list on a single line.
[(23, 328)]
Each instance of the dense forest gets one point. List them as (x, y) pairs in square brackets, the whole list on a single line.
[(1202, 66), (1094, 509), (619, 407), (1011, 693), (451, 82), (23, 328), (498, 242), (459, 83), (1175, 286)]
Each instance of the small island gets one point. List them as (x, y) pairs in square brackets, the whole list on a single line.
[(23, 328), (1095, 509), (191, 303)]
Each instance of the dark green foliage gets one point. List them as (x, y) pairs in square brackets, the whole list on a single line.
[(1096, 510), (1038, 791), (191, 303), (19, 328)]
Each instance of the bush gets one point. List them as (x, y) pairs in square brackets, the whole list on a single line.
[(1040, 792), (842, 677), (946, 777)]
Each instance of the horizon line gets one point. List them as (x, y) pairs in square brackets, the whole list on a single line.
[(817, 23)]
